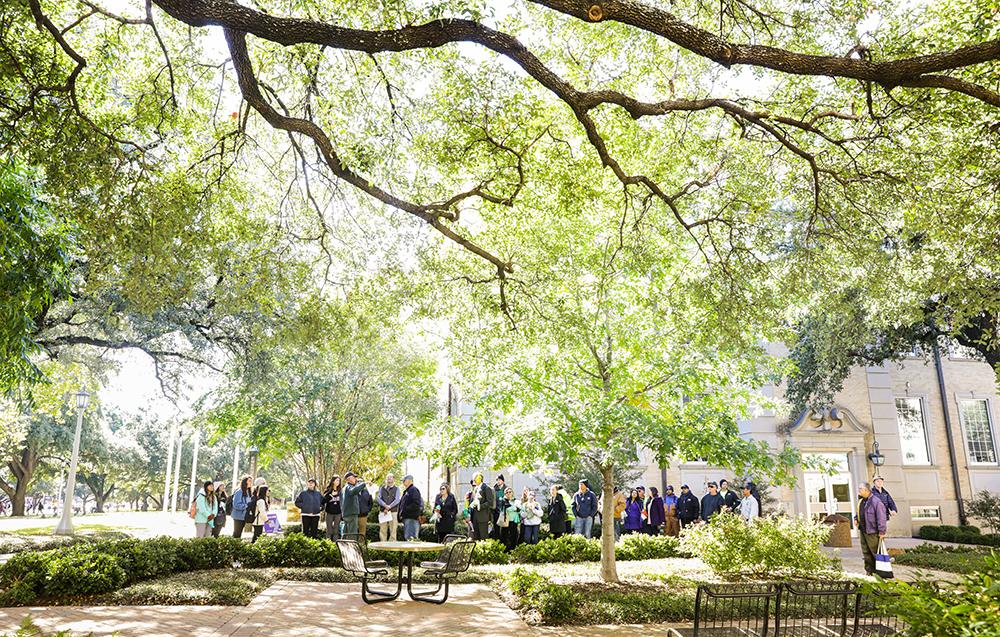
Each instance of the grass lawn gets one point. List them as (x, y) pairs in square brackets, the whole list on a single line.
[(954, 559), (79, 528)]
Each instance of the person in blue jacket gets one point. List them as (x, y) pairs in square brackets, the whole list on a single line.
[(238, 506), (584, 508), (310, 502)]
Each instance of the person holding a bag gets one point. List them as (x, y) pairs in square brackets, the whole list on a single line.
[(872, 521), (204, 509), (238, 505), (509, 519)]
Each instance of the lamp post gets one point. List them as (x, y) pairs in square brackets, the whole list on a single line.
[(65, 526), (252, 452)]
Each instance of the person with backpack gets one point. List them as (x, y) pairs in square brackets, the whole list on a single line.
[(223, 500), (257, 512), (204, 509), (237, 506), (310, 503), (331, 504), (557, 512)]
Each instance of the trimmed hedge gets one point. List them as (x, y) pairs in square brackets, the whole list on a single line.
[(959, 534)]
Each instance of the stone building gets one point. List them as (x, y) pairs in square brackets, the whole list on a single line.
[(934, 420)]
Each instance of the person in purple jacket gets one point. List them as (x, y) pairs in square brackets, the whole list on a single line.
[(657, 515), (633, 512), (872, 520)]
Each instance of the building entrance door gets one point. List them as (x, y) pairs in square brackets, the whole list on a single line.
[(827, 494)]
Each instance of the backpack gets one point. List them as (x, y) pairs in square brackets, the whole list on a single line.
[(193, 511)]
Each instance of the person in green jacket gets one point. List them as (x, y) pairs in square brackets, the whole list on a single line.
[(481, 508), (206, 507), (351, 504)]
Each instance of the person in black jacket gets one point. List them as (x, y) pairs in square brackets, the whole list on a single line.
[(446, 510), (687, 507), (311, 504), (557, 512), (365, 504), (224, 508), (712, 503), (411, 506), (729, 497)]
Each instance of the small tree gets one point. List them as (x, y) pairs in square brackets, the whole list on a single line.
[(985, 506)]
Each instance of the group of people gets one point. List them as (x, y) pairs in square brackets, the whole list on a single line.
[(347, 504), (875, 507), (248, 506), (495, 511)]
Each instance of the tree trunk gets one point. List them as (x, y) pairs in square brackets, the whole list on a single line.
[(23, 470), (609, 569)]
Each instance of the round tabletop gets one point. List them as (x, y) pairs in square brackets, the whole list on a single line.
[(404, 547)]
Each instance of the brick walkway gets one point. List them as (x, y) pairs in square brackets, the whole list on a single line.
[(289, 609)]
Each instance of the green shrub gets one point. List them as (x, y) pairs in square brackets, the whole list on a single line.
[(568, 548), (767, 546), (555, 603), (647, 547), (22, 578), (490, 552), (985, 506), (82, 571), (944, 609), (958, 534)]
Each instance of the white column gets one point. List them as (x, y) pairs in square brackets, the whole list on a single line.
[(177, 469), (194, 465), (170, 465), (236, 467)]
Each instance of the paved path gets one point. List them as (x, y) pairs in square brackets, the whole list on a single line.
[(289, 609)]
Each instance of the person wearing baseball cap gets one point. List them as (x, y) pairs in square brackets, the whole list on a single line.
[(878, 490), (687, 507), (350, 504)]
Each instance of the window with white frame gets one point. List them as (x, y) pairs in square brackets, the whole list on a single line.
[(979, 440), (912, 431), (925, 513)]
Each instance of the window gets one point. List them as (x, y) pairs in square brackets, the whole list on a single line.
[(978, 431), (912, 431), (925, 513)]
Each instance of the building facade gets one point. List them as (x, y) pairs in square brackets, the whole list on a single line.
[(933, 420)]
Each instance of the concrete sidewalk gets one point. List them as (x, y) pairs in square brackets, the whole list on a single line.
[(286, 609)]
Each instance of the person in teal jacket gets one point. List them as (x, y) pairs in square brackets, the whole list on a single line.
[(350, 504), (206, 507)]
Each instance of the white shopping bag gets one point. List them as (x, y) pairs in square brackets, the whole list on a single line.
[(883, 563)]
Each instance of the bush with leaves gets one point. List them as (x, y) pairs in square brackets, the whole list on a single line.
[(82, 571), (958, 534), (647, 547), (970, 608), (985, 506), (554, 602), (568, 548), (768, 546)]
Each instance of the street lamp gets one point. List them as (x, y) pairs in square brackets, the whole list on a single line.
[(65, 526), (877, 458), (252, 452)]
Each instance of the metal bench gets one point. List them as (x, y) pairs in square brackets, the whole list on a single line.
[(872, 618), (352, 558), (453, 560), (800, 609), (733, 610), (362, 541), (816, 609)]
